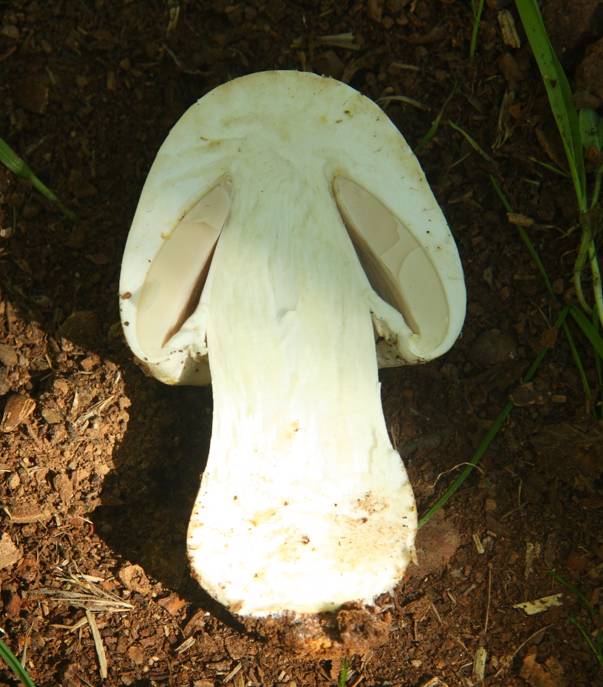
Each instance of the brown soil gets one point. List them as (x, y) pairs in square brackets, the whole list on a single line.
[(99, 465)]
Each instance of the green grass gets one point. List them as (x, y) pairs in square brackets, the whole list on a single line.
[(472, 142), (344, 673), (477, 7), (435, 124), (20, 168), (588, 329), (15, 665), (593, 640), (523, 234), (493, 430), (590, 127), (578, 131), (560, 324)]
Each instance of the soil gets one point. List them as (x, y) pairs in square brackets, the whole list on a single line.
[(99, 465)]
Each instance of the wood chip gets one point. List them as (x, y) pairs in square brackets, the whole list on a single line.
[(196, 621), (16, 411), (26, 513), (547, 674), (479, 547), (345, 41), (533, 550), (540, 605), (9, 552), (479, 663), (8, 355), (508, 29), (233, 672), (434, 682), (519, 220), (374, 9), (136, 654), (133, 577), (185, 646), (173, 603)]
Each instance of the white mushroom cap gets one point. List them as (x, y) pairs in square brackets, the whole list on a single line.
[(284, 223), (375, 187)]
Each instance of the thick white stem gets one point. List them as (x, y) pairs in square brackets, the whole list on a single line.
[(304, 504)]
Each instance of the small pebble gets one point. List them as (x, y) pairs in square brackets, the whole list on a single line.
[(13, 481), (8, 355), (492, 347), (10, 31)]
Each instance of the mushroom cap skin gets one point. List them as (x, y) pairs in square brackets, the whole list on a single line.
[(286, 238)]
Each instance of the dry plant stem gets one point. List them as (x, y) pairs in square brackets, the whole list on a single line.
[(98, 645)]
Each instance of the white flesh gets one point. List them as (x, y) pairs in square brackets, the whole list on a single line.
[(304, 504)]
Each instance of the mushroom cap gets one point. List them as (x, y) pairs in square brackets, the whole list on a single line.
[(378, 193)]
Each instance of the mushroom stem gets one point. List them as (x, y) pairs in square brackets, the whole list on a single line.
[(304, 504)]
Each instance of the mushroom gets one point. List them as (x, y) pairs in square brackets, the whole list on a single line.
[(286, 242)]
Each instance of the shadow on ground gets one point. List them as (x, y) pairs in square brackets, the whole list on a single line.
[(146, 501)]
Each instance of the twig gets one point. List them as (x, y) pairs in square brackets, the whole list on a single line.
[(233, 672), (508, 661), (489, 598)]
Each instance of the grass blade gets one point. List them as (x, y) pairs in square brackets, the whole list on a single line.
[(343, 673), (478, 7), (548, 166), (523, 234), (591, 129), (495, 427), (20, 168), (598, 368), (559, 94), (595, 646), (579, 365), (597, 187), (572, 128), (547, 282), (387, 99), (574, 590), (588, 330), (15, 665), (493, 430), (435, 125), (588, 639), (472, 142)]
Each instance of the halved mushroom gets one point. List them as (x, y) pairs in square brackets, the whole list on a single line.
[(285, 234)]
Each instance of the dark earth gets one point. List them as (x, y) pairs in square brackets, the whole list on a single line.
[(99, 465)]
